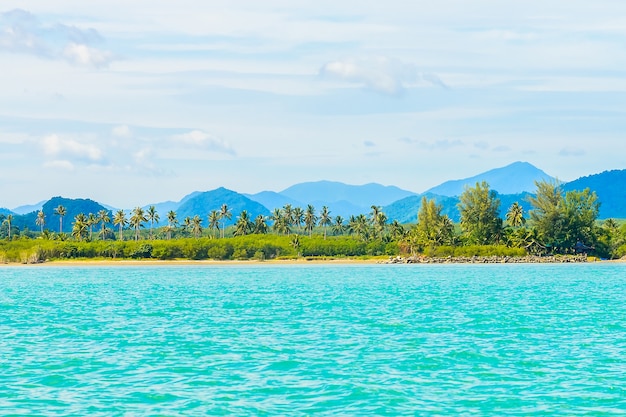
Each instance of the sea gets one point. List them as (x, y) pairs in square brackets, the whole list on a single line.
[(313, 340)]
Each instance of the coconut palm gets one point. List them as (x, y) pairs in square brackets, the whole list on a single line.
[(310, 219), (137, 219), (171, 223), (196, 226), (260, 225), (338, 226), (380, 223), (119, 220), (103, 219), (153, 217), (225, 214), (515, 215), (397, 230), (214, 222), (295, 243), (243, 224), (374, 213), (325, 220), (80, 229), (41, 220), (288, 217), (8, 220), (61, 212), (187, 225), (297, 217), (91, 221)]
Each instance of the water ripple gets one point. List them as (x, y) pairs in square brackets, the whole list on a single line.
[(316, 340)]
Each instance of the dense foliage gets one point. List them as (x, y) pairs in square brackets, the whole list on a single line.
[(558, 223)]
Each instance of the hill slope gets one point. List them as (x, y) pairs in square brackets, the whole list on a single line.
[(202, 204), (515, 178), (73, 207), (609, 186)]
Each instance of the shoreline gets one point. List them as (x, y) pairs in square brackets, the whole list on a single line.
[(305, 261)]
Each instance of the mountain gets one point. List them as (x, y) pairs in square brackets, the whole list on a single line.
[(203, 203), (29, 208), (73, 207), (361, 197), (272, 200), (609, 186), (515, 178), (165, 207), (6, 211)]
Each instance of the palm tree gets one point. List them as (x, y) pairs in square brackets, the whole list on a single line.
[(338, 226), (515, 215), (380, 222), (41, 220), (225, 214), (325, 219), (297, 217), (196, 226), (60, 211), (214, 221), (310, 219), (80, 227), (187, 225), (295, 243), (397, 230), (153, 217), (119, 220), (171, 223), (91, 221), (288, 217), (243, 224), (374, 213), (8, 221), (103, 218), (361, 227), (137, 218), (260, 225)]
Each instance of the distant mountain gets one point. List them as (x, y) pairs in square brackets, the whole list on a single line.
[(609, 186), (73, 207), (29, 208), (6, 211), (515, 178), (202, 204), (361, 197), (272, 200)]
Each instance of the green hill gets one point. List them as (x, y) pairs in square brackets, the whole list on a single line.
[(609, 186)]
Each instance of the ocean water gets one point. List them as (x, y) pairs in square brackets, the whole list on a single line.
[(313, 340)]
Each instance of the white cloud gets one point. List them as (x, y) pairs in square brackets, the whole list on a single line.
[(382, 74), (22, 32), (200, 139), (121, 131), (54, 146), (84, 55), (59, 164)]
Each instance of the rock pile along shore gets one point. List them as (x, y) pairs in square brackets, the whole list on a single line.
[(488, 259)]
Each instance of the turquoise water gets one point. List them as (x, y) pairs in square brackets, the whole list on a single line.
[(313, 340)]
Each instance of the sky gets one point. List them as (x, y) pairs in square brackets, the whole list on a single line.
[(137, 102)]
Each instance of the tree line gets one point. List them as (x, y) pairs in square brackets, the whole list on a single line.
[(558, 223)]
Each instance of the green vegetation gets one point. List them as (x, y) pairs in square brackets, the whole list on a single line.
[(558, 223)]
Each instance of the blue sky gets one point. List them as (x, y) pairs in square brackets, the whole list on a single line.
[(131, 103)]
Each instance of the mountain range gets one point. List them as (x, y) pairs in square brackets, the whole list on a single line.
[(514, 183)]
